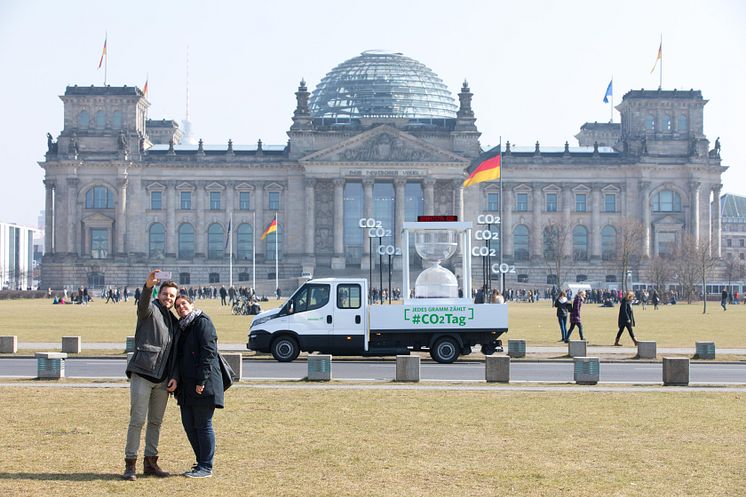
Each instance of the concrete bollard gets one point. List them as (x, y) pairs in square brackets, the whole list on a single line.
[(587, 370), (577, 348), (8, 344), (676, 371), (497, 369), (407, 368), (320, 367), (71, 345), (705, 350), (517, 348), (50, 365), (129, 344), (235, 361), (646, 350)]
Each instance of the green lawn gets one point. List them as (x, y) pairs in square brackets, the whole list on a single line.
[(671, 326), (389, 443)]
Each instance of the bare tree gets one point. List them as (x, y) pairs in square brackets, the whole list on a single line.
[(733, 269), (695, 263), (705, 263), (555, 240), (685, 266), (629, 240), (660, 272)]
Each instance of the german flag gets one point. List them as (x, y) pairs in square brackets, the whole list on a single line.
[(486, 167), (103, 53), (270, 229)]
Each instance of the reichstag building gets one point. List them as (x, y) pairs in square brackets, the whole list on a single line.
[(381, 136)]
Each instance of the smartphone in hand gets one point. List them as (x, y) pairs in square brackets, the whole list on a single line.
[(163, 275)]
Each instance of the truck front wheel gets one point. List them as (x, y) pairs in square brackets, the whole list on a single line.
[(285, 349), (445, 351)]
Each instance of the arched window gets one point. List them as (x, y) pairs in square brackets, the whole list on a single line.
[(157, 240), (100, 120), (552, 242), (650, 122), (186, 241), (666, 201), (269, 244), (244, 241), (666, 122), (608, 243), (580, 243), (84, 119), (353, 211), (99, 197), (215, 242), (116, 119), (683, 124), (520, 243)]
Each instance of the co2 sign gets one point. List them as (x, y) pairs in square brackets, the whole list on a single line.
[(483, 252), (502, 268), (486, 235), (388, 250), (488, 219), (368, 222), (378, 232)]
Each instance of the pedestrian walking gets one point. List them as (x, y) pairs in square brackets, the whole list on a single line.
[(626, 319), (724, 299), (656, 299), (563, 305), (577, 303)]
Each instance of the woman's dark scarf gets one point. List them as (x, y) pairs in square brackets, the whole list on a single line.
[(187, 320)]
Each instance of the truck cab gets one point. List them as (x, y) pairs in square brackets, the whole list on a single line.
[(327, 315)]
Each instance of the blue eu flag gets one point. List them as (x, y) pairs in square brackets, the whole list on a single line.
[(609, 92)]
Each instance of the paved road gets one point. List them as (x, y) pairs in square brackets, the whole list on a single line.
[(384, 370)]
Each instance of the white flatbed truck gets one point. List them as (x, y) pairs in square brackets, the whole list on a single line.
[(334, 316)]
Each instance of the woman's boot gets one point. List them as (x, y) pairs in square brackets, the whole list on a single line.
[(130, 469), (151, 467)]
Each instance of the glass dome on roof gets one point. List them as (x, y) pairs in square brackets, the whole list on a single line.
[(380, 83)]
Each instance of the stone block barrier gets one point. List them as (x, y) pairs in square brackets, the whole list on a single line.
[(586, 371), (71, 345), (704, 350), (129, 344), (8, 344), (517, 348), (320, 367), (50, 365), (407, 368), (675, 371), (646, 350), (235, 361), (497, 369), (577, 348)]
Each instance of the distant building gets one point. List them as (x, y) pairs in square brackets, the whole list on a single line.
[(733, 209), (17, 256), (381, 136)]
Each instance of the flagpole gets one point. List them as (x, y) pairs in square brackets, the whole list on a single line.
[(660, 84), (253, 254), (277, 273), (106, 57), (611, 110), (230, 242), (500, 227)]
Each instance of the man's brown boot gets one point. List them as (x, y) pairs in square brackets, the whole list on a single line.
[(151, 467), (130, 469)]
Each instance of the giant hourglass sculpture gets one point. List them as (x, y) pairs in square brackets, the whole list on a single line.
[(436, 246)]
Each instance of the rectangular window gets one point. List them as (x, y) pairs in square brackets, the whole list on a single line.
[(609, 202), (551, 201), (274, 201), (493, 202), (184, 278), (244, 203), (99, 243), (729, 242), (580, 202), (185, 201), (740, 243), (521, 202), (214, 201), (155, 200), (348, 297)]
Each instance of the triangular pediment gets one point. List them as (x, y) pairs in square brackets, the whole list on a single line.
[(97, 219), (384, 144)]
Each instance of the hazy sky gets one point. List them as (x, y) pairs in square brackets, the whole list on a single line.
[(538, 69)]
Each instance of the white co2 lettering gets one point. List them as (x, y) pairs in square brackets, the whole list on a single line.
[(388, 250), (488, 219), (368, 222), (378, 232), (483, 252), (502, 268), (486, 235)]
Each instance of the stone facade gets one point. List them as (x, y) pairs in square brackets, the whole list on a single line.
[(118, 203)]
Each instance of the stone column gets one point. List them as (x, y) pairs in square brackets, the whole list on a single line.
[(567, 202), (429, 193), (458, 198), (645, 208), (536, 235), (338, 259), (368, 212), (695, 187), (200, 230), (399, 184), (72, 219), (261, 223), (704, 214), (121, 215), (596, 222), (172, 231), (49, 227), (310, 226), (716, 236), (507, 221)]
